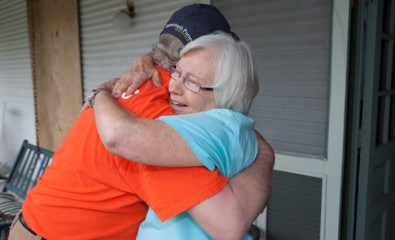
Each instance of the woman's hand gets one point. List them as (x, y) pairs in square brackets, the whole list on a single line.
[(107, 85), (141, 70)]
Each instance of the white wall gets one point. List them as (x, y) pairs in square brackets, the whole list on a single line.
[(16, 88)]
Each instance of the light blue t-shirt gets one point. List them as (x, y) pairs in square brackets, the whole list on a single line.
[(220, 138)]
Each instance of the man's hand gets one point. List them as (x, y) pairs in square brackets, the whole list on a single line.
[(141, 70)]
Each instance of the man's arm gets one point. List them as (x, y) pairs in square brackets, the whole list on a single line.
[(230, 213)]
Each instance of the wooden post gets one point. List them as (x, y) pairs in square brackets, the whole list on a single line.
[(56, 67)]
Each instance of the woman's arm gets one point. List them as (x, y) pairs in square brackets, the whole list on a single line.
[(143, 140), (230, 213)]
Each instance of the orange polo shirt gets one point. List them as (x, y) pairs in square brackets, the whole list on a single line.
[(89, 193)]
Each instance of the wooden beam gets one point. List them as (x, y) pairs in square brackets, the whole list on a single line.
[(56, 63)]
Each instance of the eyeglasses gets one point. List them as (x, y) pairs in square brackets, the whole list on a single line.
[(189, 83)]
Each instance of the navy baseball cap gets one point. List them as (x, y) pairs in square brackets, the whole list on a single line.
[(195, 20)]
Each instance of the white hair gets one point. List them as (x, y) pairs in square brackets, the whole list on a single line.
[(235, 78)]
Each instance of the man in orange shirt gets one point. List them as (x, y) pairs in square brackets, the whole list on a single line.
[(89, 193)]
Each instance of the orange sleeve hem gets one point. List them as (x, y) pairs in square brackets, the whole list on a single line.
[(192, 200)]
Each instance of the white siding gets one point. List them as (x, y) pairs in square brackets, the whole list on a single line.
[(290, 40), (16, 89), (292, 44)]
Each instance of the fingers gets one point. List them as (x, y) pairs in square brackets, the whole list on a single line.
[(122, 84), (84, 107), (141, 70), (138, 79), (109, 84), (157, 81), (128, 83)]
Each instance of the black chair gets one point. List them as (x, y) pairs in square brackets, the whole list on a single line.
[(29, 165)]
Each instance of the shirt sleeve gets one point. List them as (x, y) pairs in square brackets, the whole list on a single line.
[(170, 191), (219, 138)]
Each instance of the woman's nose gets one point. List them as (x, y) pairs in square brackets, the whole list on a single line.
[(176, 86)]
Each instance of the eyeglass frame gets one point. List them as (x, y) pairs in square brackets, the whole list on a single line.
[(186, 78)]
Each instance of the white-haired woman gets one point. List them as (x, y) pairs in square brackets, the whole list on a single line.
[(212, 88)]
